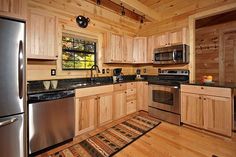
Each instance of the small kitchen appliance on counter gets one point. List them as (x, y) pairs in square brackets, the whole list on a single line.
[(164, 95), (138, 75), (117, 75)]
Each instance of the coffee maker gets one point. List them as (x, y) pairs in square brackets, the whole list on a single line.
[(138, 75), (117, 75)]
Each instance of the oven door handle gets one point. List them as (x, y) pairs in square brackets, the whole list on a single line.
[(174, 54)]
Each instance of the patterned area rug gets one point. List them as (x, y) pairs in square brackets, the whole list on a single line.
[(112, 140)]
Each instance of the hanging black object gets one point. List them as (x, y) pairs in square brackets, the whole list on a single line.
[(82, 21)]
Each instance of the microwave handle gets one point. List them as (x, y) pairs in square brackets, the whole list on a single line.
[(174, 53)]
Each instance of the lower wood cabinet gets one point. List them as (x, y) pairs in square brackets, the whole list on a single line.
[(142, 96), (86, 116), (217, 113), (119, 104), (191, 109), (105, 108), (210, 112)]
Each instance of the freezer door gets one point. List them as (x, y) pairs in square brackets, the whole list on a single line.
[(12, 137), (12, 70)]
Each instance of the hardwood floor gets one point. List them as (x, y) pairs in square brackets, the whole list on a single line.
[(169, 140)]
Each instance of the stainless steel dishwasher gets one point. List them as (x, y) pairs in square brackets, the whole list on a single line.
[(51, 119)]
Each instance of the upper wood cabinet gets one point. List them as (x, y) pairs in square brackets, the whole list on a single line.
[(140, 50), (128, 43), (113, 48), (171, 38), (13, 8), (209, 108), (41, 35), (150, 49)]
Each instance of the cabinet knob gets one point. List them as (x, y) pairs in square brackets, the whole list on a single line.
[(120, 84), (204, 99), (56, 56), (131, 102), (200, 98), (202, 88), (125, 92)]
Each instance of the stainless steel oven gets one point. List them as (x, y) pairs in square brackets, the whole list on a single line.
[(164, 94), (177, 54), (164, 102)]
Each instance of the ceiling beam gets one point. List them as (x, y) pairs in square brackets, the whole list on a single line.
[(139, 7), (116, 7)]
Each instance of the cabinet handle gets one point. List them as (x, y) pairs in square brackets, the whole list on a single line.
[(120, 84), (200, 98), (202, 88), (131, 90), (204, 99), (125, 92), (131, 102)]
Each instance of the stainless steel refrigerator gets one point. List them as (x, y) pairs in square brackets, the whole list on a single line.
[(12, 88)]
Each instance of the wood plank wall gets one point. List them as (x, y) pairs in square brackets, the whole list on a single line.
[(215, 53)]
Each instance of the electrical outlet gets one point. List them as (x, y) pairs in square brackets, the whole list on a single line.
[(108, 70), (103, 71), (53, 72), (144, 70)]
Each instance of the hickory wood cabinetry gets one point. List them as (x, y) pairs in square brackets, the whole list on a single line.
[(131, 98), (171, 38), (41, 35), (142, 96), (13, 8), (209, 108), (124, 49), (93, 107), (119, 103), (140, 50)]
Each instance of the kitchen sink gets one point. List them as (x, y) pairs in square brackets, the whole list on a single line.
[(86, 84)]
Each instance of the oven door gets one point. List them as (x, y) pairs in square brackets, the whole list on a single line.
[(164, 98)]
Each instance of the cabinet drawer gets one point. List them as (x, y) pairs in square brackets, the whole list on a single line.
[(131, 107), (83, 92), (121, 86), (215, 91), (131, 85), (131, 91)]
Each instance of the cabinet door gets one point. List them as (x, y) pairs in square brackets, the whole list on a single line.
[(13, 8), (150, 49), (177, 37), (114, 48), (140, 50), (128, 49), (41, 35), (142, 96), (191, 109), (119, 104), (161, 40), (105, 108), (86, 110), (218, 114)]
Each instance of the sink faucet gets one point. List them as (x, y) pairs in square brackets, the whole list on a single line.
[(96, 68)]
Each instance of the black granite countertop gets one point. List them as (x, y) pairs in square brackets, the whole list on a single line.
[(36, 87), (214, 84)]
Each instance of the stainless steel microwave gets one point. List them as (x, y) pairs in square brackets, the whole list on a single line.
[(177, 54)]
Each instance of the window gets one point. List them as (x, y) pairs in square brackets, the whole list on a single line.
[(78, 53)]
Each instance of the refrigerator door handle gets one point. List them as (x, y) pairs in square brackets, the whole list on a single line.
[(20, 69), (7, 122)]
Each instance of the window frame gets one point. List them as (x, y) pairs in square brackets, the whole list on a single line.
[(78, 51)]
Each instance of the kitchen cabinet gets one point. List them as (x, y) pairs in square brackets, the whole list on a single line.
[(140, 50), (128, 42), (105, 108), (131, 98), (87, 114), (150, 49), (208, 108), (41, 35), (113, 48), (13, 8), (119, 104), (171, 38), (191, 109), (142, 96)]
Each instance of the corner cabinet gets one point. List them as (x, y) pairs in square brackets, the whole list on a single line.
[(209, 108), (140, 50), (41, 35), (13, 8)]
